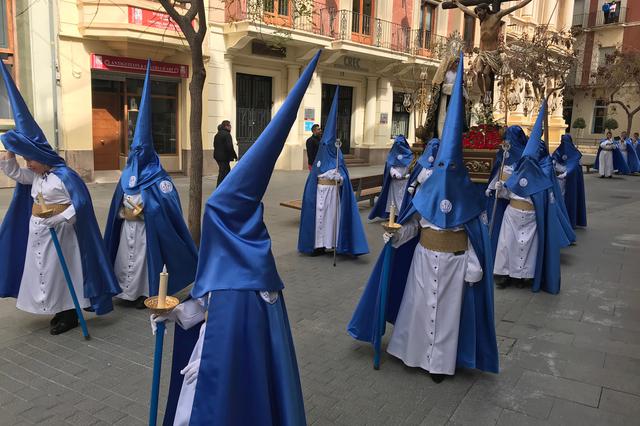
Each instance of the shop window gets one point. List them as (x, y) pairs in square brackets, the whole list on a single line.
[(6, 52), (599, 116), (164, 115), (400, 115)]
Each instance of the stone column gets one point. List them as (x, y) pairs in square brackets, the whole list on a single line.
[(370, 111)]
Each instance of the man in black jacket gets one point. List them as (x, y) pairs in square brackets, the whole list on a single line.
[(223, 151), (313, 143)]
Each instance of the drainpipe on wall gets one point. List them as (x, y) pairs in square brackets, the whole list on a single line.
[(54, 74)]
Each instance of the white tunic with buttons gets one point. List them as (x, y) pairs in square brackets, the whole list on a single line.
[(605, 160), (327, 214), (562, 181), (517, 241), (43, 289), (131, 260), (397, 187), (426, 330)]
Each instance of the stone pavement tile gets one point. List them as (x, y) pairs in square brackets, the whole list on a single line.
[(436, 417), (620, 402), (608, 346), (605, 377), (622, 363), (36, 414), (609, 321), (131, 421), (79, 417), (561, 351), (560, 388), (477, 412), (526, 332), (530, 402), (511, 418), (9, 418), (571, 413), (109, 415)]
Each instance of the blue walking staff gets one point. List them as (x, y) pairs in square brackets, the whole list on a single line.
[(391, 227), (159, 305), (67, 276)]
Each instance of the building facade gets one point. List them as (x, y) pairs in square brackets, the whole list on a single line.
[(80, 66), (600, 35)]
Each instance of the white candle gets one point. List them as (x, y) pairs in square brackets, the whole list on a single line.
[(162, 289), (392, 215)]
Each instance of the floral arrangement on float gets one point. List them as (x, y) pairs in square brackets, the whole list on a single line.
[(481, 144)]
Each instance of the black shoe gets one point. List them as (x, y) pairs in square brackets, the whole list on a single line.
[(89, 309), (140, 302), (526, 282), (502, 281), (521, 283), (318, 252), (68, 320), (55, 319), (437, 378)]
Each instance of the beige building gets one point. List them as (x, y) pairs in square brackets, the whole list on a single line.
[(91, 55)]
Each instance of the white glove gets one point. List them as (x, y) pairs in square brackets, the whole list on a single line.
[(499, 185), (562, 175), (407, 176), (488, 192), (53, 221), (155, 319), (411, 189), (386, 237), (190, 372)]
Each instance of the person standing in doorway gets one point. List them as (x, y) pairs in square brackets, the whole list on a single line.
[(313, 143), (223, 151)]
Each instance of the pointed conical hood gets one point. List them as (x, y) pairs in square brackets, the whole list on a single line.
[(430, 153), (327, 151), (143, 164), (567, 153), (534, 148), (400, 154), (529, 177), (26, 139), (448, 198), (235, 251)]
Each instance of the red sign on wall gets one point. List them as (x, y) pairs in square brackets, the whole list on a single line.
[(152, 19), (138, 66)]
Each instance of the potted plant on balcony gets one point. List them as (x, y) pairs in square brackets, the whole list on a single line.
[(580, 125)]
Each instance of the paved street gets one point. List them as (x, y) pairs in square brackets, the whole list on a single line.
[(568, 359)]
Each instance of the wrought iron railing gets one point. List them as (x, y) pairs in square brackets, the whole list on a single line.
[(598, 19)]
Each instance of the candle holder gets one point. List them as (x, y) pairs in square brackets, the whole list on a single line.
[(169, 305), (391, 227)]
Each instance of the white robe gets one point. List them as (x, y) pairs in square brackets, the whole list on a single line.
[(518, 241), (327, 214), (605, 160), (43, 288), (130, 265), (622, 146), (188, 314), (562, 181), (426, 331), (396, 187)]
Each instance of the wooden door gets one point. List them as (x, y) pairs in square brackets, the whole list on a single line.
[(107, 130), (362, 24)]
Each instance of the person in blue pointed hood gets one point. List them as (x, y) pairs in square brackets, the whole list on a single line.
[(569, 171), (531, 234), (609, 159), (145, 227), (239, 367), (441, 289), (396, 178), (628, 151), (49, 194), (328, 201), (516, 140)]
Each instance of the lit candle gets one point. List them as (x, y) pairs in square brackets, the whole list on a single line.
[(162, 289)]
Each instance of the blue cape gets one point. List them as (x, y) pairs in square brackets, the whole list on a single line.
[(477, 347), (426, 160), (248, 371), (400, 155), (569, 236), (351, 237), (574, 197), (517, 141), (619, 164), (168, 239), (632, 157)]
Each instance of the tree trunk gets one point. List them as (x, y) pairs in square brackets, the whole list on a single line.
[(196, 88)]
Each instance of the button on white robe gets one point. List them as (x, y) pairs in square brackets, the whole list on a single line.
[(518, 241), (130, 265), (426, 331), (397, 187), (43, 288), (326, 207), (605, 160)]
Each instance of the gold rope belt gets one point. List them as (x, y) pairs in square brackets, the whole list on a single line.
[(48, 210), (444, 241), (522, 205), (128, 214), (328, 182)]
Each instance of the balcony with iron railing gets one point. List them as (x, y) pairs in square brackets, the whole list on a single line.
[(599, 19), (337, 25)]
